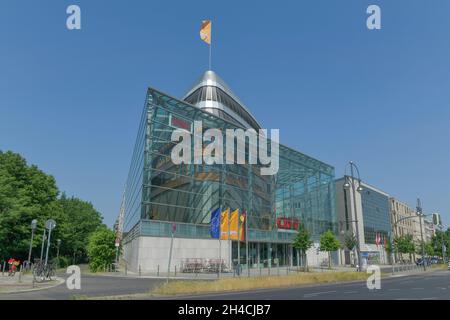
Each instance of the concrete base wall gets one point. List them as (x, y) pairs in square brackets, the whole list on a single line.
[(151, 253)]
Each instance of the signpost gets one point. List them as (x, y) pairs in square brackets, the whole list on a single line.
[(174, 228), (33, 228), (50, 224)]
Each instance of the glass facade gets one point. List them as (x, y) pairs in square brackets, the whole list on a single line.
[(375, 214), (158, 192)]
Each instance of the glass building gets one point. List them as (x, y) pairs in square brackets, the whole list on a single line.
[(372, 218), (159, 193), (376, 215)]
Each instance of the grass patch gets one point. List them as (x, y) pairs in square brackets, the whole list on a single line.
[(439, 266), (237, 284)]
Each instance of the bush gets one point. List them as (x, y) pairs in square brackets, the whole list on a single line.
[(63, 262), (101, 249)]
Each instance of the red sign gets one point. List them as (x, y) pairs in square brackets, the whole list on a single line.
[(180, 123), (288, 223)]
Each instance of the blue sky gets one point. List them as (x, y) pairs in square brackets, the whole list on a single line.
[(70, 101)]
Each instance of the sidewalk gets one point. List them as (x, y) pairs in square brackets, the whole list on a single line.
[(24, 283)]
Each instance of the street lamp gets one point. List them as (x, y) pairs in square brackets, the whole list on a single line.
[(58, 242), (421, 215), (350, 183), (50, 224), (33, 228)]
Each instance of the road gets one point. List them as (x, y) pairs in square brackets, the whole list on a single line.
[(92, 286), (427, 286)]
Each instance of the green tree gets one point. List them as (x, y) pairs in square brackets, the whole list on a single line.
[(429, 249), (82, 221), (439, 239), (101, 250), (329, 243), (303, 242), (27, 193), (405, 245)]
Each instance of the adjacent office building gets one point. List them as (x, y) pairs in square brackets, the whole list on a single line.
[(372, 218), (165, 201)]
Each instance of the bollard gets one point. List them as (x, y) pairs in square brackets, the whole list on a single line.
[(125, 269), (175, 271), (20, 274), (287, 271), (157, 272), (260, 270), (269, 270), (3, 269), (139, 270)]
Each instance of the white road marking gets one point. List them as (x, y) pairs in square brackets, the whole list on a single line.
[(348, 292), (393, 289), (317, 293), (418, 288)]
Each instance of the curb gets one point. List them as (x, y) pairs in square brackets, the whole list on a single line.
[(59, 282)]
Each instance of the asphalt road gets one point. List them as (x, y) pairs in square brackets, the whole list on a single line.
[(91, 286), (427, 286)]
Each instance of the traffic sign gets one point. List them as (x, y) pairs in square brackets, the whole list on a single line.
[(50, 224)]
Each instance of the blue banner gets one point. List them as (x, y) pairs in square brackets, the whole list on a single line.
[(215, 224)]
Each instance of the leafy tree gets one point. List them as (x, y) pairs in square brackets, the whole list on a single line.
[(329, 243), (303, 242), (429, 249), (101, 249), (405, 245), (27, 193), (438, 240), (82, 221)]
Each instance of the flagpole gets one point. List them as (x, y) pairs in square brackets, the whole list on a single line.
[(239, 244), (210, 49), (230, 249), (220, 243), (246, 243)]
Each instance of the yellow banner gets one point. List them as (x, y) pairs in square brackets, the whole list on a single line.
[(234, 225), (242, 222), (205, 31), (224, 224)]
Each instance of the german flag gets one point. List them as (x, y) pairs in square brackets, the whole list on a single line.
[(205, 31)]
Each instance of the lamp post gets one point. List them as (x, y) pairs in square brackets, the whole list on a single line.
[(50, 224), (350, 184), (444, 249), (419, 213), (58, 242), (33, 228), (44, 238)]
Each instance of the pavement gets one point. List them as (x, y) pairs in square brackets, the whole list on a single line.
[(91, 285), (431, 285)]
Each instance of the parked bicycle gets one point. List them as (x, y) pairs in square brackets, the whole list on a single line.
[(42, 272)]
